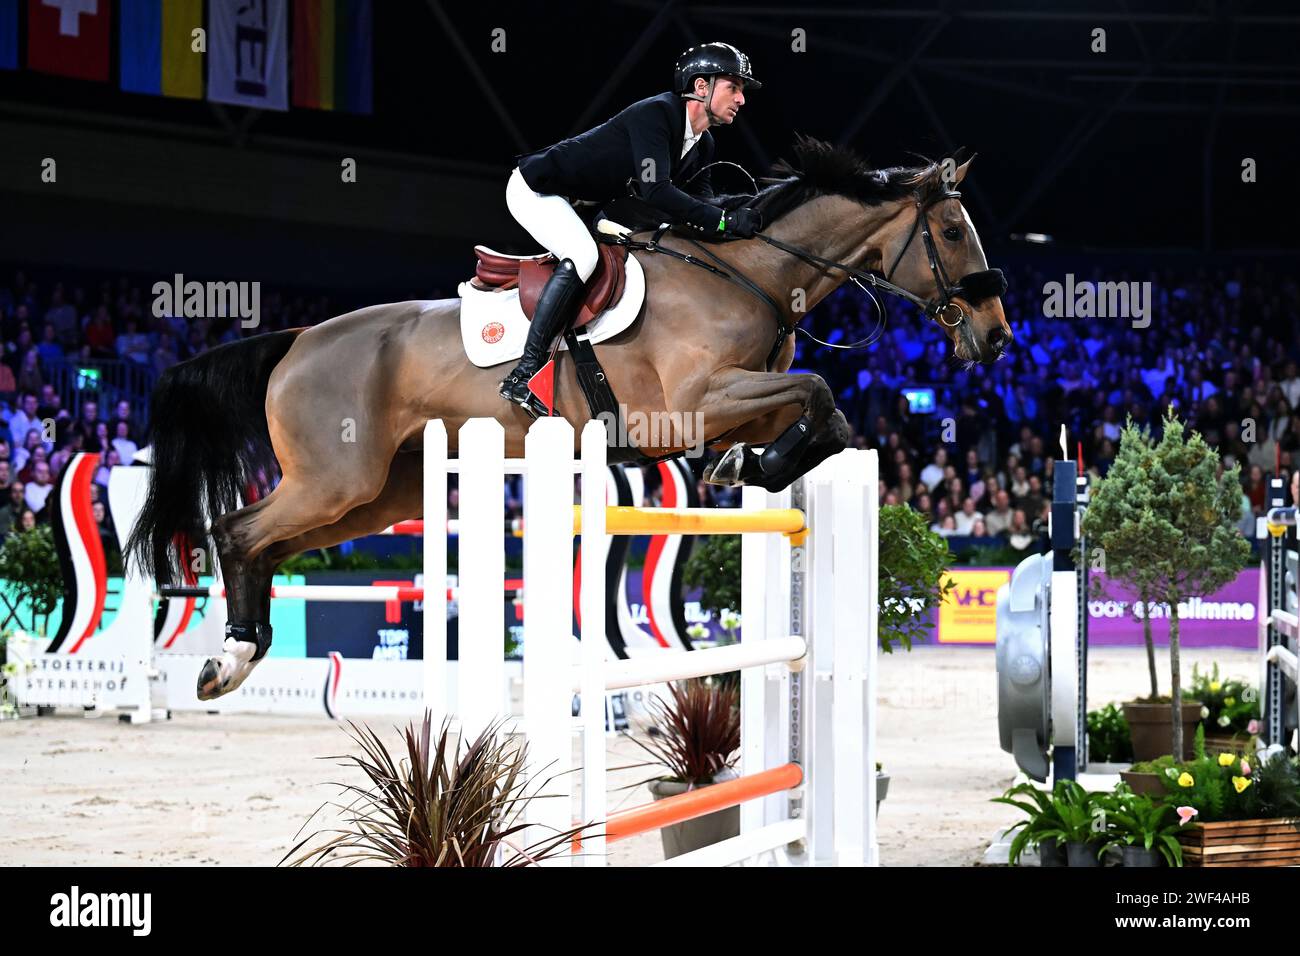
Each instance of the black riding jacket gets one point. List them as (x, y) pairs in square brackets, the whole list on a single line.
[(597, 165)]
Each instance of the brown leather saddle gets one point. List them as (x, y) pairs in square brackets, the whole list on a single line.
[(497, 272)]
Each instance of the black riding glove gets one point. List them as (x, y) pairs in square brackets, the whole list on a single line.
[(742, 223)]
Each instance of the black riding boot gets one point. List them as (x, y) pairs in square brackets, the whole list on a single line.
[(560, 299)]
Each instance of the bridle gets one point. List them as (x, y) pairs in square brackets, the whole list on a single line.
[(974, 287)]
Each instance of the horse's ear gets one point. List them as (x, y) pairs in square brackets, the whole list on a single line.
[(963, 165)]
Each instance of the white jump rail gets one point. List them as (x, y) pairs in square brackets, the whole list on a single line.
[(808, 648)]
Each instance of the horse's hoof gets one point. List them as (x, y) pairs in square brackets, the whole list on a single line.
[(209, 687), (726, 470)]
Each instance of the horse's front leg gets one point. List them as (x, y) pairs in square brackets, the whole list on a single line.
[(792, 416)]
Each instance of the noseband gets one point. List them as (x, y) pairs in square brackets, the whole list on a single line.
[(974, 287)]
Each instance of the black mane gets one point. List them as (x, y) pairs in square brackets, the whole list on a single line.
[(821, 169)]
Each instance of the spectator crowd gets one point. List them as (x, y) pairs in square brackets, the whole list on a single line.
[(1221, 347)]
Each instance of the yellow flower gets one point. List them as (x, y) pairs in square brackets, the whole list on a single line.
[(1185, 779), (1214, 686), (1229, 701), (1225, 760), (1241, 783)]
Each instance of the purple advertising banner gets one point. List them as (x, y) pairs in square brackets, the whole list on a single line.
[(1227, 618)]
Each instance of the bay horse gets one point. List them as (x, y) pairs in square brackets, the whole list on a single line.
[(339, 409)]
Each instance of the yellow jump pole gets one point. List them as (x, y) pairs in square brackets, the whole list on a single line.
[(627, 520)]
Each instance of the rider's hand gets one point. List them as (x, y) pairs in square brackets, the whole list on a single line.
[(742, 223)]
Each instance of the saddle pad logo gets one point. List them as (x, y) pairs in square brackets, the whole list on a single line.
[(492, 332)]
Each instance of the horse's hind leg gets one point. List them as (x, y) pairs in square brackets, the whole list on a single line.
[(245, 540), (248, 615)]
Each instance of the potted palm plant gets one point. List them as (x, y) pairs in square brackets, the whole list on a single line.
[(1040, 818), (698, 744), (1080, 823), (1145, 831)]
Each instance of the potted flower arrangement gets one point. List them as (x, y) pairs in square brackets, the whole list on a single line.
[(1229, 710), (1244, 810), (1147, 777), (1145, 831), (698, 743)]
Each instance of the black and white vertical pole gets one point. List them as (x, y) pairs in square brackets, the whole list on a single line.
[(1068, 653), (1275, 566)]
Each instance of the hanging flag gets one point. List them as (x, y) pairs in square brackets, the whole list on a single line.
[(157, 54), (69, 37), (248, 53), (332, 64), (8, 34)]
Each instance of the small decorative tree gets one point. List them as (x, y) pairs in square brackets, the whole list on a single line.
[(30, 573), (1166, 525), (913, 563), (1115, 509), (714, 567)]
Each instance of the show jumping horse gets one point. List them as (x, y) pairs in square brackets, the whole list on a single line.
[(338, 409)]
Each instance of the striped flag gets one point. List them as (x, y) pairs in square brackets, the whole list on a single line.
[(8, 34), (333, 67), (157, 56)]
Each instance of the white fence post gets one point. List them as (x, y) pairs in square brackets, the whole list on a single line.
[(594, 438), (481, 683), (435, 570), (871, 537), (548, 625)]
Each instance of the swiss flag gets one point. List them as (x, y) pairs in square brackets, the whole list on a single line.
[(69, 37)]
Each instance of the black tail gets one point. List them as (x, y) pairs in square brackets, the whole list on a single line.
[(210, 441)]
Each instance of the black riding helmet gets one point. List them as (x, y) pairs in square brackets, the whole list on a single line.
[(711, 60)]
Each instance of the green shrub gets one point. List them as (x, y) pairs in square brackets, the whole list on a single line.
[(1109, 740)]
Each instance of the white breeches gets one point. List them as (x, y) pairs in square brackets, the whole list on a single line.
[(553, 223)]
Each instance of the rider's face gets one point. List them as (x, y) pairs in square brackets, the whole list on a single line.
[(728, 98)]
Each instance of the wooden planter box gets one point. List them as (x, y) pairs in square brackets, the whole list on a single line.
[(1242, 843), (1230, 743)]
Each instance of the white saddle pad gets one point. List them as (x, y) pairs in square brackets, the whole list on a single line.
[(494, 328)]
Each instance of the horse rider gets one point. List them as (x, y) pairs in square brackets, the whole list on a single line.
[(648, 147)]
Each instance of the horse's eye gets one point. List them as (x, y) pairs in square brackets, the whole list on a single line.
[(952, 233)]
